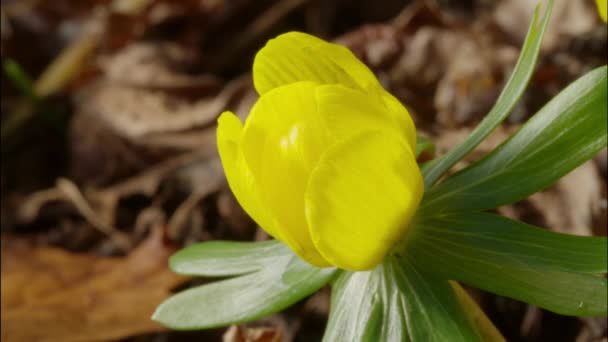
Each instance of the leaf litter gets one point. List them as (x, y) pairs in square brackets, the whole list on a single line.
[(53, 295), (137, 175)]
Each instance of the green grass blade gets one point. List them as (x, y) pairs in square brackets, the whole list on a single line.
[(513, 90), (568, 131)]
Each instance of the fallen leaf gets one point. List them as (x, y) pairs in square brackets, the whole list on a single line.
[(376, 44), (568, 20), (238, 333), (594, 329), (572, 203), (469, 87), (136, 112), (49, 294), (449, 138), (152, 66)]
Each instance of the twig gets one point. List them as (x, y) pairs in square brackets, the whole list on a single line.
[(403, 19), (74, 195)]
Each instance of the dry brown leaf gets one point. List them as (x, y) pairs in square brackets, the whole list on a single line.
[(49, 294), (594, 329), (238, 333), (448, 139), (420, 64), (136, 112), (462, 72), (571, 204), (468, 88), (376, 44), (145, 94), (148, 65), (145, 183), (568, 20)]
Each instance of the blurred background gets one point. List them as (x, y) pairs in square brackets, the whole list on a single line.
[(109, 162)]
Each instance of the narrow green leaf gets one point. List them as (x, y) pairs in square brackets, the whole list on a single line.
[(226, 258), (519, 242), (356, 307), (432, 310), (424, 144), (242, 299), (514, 260), (394, 320), (396, 302), (366, 306), (568, 131), (506, 101)]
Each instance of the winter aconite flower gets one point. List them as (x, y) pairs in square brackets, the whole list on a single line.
[(325, 161)]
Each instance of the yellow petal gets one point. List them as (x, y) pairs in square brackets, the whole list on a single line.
[(347, 111), (282, 141), (402, 117), (239, 176), (361, 197), (296, 56), (602, 8)]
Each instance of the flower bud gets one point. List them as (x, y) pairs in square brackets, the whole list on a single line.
[(325, 161)]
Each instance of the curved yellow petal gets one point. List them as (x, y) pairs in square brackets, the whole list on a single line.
[(239, 176), (402, 117), (296, 56), (282, 141), (602, 8), (346, 111), (361, 197)]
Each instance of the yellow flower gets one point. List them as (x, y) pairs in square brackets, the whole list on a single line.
[(602, 8), (325, 162)]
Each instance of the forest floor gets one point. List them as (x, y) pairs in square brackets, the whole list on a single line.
[(109, 162)]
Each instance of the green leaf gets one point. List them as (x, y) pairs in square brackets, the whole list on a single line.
[(396, 302), (513, 90), (394, 315), (355, 313), (568, 131), (432, 310), (514, 260), (226, 258), (424, 144), (245, 298), (519, 242)]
